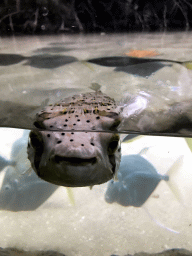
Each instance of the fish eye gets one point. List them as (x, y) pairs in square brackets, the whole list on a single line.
[(36, 140), (113, 144), (115, 124), (39, 125)]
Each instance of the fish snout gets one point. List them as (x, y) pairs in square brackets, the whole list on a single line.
[(76, 161), (70, 159), (75, 145)]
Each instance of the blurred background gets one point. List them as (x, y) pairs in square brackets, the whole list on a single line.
[(72, 16)]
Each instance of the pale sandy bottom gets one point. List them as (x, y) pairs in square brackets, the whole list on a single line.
[(93, 227)]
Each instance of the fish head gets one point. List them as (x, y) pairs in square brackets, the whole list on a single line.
[(74, 158), (63, 154)]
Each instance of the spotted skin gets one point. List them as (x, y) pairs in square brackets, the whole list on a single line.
[(62, 154)]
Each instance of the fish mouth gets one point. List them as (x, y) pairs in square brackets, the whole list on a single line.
[(75, 161)]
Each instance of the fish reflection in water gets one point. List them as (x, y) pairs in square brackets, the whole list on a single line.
[(137, 179), (21, 190)]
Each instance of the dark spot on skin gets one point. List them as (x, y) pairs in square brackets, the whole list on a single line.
[(51, 126), (65, 125), (98, 117), (62, 133), (74, 124), (72, 132), (92, 144), (93, 128), (78, 120), (48, 135), (71, 140), (66, 120), (88, 121), (59, 141), (82, 145), (76, 115)]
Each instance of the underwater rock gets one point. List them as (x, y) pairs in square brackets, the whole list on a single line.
[(16, 252), (172, 252)]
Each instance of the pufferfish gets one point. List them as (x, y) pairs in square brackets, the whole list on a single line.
[(62, 152)]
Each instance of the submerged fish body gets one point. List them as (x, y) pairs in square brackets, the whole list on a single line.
[(5, 162), (21, 191), (62, 154), (137, 179)]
